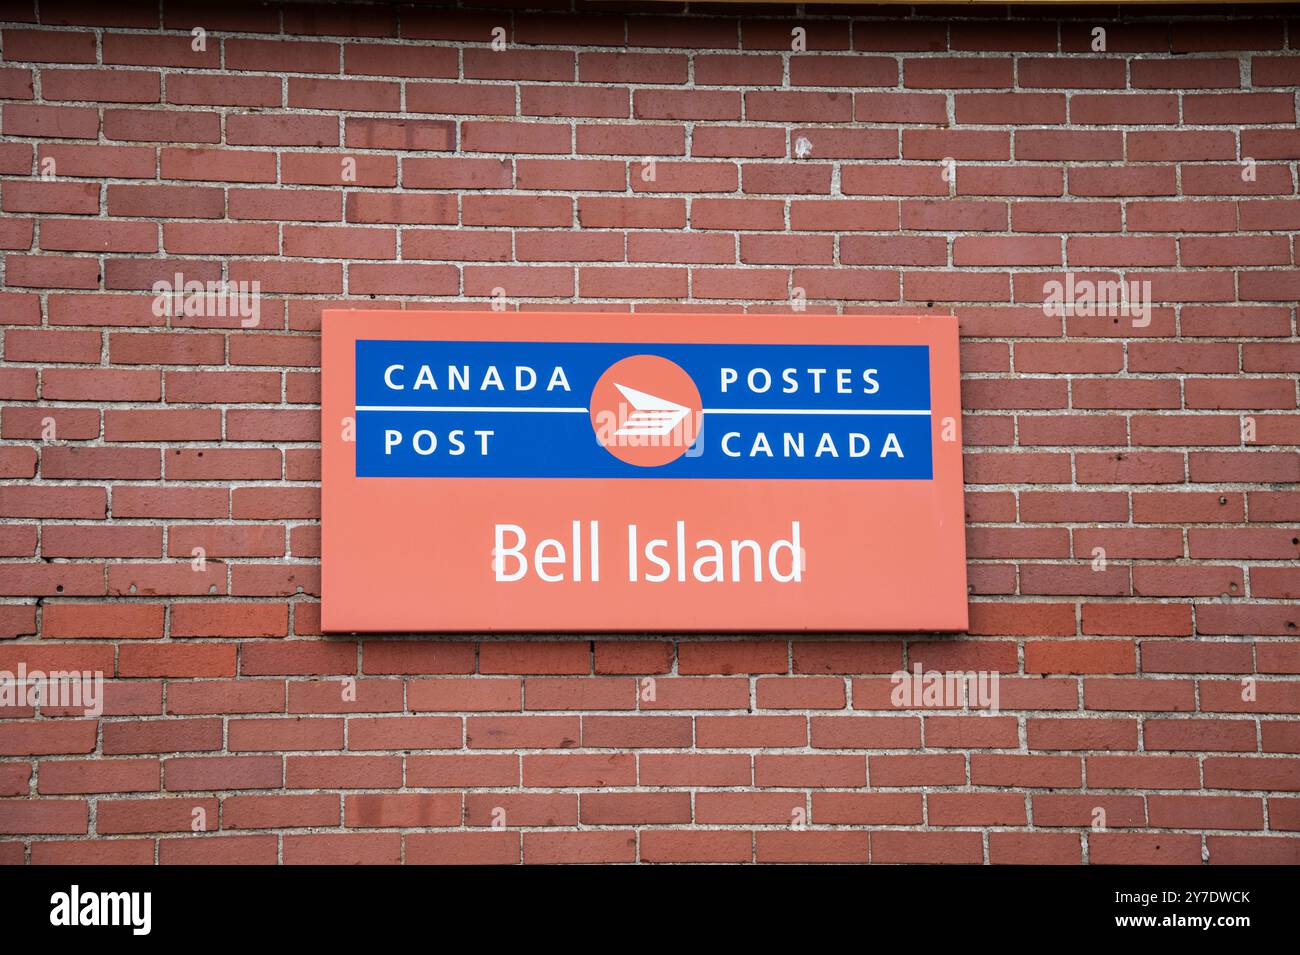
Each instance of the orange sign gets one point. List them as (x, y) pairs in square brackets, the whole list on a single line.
[(583, 472)]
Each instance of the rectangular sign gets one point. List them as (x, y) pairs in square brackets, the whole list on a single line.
[(585, 472)]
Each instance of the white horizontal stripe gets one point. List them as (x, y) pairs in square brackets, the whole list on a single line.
[(464, 408), (756, 411), (818, 411)]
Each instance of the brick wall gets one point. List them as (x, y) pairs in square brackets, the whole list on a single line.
[(1132, 487)]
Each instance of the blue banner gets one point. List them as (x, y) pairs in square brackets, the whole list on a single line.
[(524, 410)]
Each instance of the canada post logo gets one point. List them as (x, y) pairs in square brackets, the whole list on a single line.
[(435, 409), (653, 423)]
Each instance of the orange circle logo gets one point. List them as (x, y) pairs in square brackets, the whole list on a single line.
[(646, 411)]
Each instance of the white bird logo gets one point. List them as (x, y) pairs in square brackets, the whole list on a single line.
[(652, 416)]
